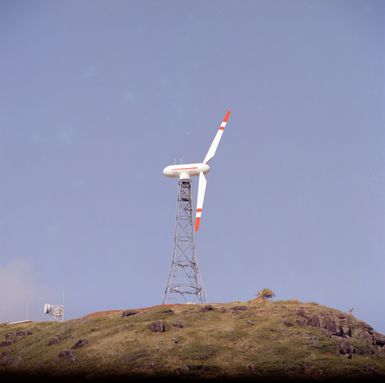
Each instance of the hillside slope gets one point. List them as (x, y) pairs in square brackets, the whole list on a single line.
[(255, 340)]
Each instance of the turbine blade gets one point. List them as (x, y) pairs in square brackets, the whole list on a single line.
[(201, 196), (214, 145)]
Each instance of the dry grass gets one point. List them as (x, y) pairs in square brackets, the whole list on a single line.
[(226, 341)]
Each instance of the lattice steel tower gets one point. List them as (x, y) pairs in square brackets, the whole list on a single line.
[(184, 282)]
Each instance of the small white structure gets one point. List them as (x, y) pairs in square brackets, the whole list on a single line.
[(19, 322), (56, 311)]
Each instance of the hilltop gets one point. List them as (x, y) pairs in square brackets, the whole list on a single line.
[(258, 340)]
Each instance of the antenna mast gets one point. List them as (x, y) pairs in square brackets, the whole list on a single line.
[(184, 282)]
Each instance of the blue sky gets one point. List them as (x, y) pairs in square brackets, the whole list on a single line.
[(96, 97)]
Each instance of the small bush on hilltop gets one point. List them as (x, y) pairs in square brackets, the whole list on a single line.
[(265, 294)]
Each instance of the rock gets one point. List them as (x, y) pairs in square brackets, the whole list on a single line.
[(345, 331), (10, 336), (175, 340), (314, 321), (251, 368), (80, 343), (7, 343), (178, 324), (304, 314), (199, 368), (329, 324), (182, 369), (364, 326), (157, 326), (6, 358), (340, 325), (24, 332), (345, 326), (363, 334), (370, 371), (239, 308), (65, 335), (207, 308), (326, 322), (345, 348), (380, 351), (167, 311), (250, 322), (300, 322), (378, 339), (128, 313), (68, 354), (52, 341)]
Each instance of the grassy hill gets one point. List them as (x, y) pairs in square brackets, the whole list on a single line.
[(258, 340)]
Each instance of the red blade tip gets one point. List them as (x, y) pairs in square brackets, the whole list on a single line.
[(197, 221)]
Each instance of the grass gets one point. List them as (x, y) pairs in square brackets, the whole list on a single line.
[(264, 340)]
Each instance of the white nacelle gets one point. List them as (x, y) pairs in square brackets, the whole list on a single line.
[(47, 308), (185, 170)]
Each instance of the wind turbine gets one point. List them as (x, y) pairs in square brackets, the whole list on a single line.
[(184, 278), (185, 171)]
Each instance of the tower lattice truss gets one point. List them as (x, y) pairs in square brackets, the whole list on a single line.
[(184, 282)]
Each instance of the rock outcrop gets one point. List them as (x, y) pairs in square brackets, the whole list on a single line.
[(127, 313), (68, 355), (80, 343), (157, 326), (342, 328), (53, 340)]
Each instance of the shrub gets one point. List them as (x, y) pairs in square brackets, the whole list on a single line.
[(265, 294)]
